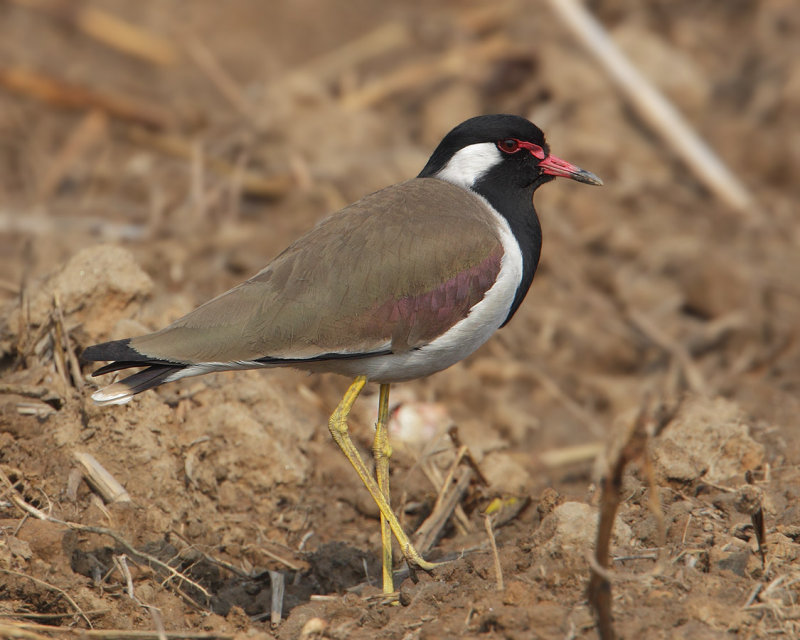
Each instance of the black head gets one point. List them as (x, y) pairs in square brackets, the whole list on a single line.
[(504, 149)]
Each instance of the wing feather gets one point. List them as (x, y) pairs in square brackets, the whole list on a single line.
[(383, 273)]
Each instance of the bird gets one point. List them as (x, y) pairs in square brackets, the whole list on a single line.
[(399, 285)]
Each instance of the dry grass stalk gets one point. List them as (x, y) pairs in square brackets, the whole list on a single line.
[(511, 370), (11, 288), (449, 497), (19, 631), (462, 450), (749, 500), (22, 342), (32, 223), (630, 446), (61, 592), (67, 95), (59, 359), (570, 455), (172, 573), (237, 571), (432, 473), (458, 61), (27, 631), (45, 394), (34, 409), (108, 29), (655, 109), (100, 479), (123, 36), (498, 569), (552, 387), (72, 359), (483, 18), (121, 564), (380, 41), (294, 566), (252, 184), (29, 615), (680, 354), (86, 134), (207, 62), (455, 438)]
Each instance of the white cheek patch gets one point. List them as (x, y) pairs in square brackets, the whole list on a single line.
[(467, 165)]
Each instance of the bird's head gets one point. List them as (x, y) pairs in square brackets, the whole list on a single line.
[(503, 149)]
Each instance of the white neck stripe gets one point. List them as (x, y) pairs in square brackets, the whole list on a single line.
[(469, 164)]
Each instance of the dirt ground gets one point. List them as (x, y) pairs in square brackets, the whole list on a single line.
[(143, 171)]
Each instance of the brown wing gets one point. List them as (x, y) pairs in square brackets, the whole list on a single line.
[(384, 273)]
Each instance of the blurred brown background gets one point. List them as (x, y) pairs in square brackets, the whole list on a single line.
[(154, 154)]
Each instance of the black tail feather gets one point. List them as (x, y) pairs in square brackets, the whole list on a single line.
[(117, 366), (122, 391), (148, 378)]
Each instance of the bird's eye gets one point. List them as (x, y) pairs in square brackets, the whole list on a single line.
[(509, 145)]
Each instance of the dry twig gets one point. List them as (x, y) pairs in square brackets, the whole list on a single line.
[(749, 500), (61, 592), (655, 109), (570, 455), (458, 61), (109, 29), (85, 135), (103, 531), (252, 183), (63, 336), (60, 93), (380, 41), (207, 62), (434, 475), (630, 447), (34, 222), (452, 432), (498, 569), (274, 556), (449, 497), (16, 631), (100, 479), (694, 377), (45, 394)]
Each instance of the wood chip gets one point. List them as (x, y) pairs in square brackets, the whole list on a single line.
[(101, 480)]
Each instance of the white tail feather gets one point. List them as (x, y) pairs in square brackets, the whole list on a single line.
[(116, 393)]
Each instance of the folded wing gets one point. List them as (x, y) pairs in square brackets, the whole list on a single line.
[(382, 275)]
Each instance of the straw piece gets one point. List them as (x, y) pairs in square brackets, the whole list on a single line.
[(655, 109), (124, 36), (101, 480), (61, 93), (252, 184)]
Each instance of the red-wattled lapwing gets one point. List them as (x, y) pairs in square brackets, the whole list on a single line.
[(403, 283)]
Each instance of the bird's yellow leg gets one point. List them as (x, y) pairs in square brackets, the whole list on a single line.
[(338, 428), (382, 451)]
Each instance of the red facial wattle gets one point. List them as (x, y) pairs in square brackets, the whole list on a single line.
[(549, 164)]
